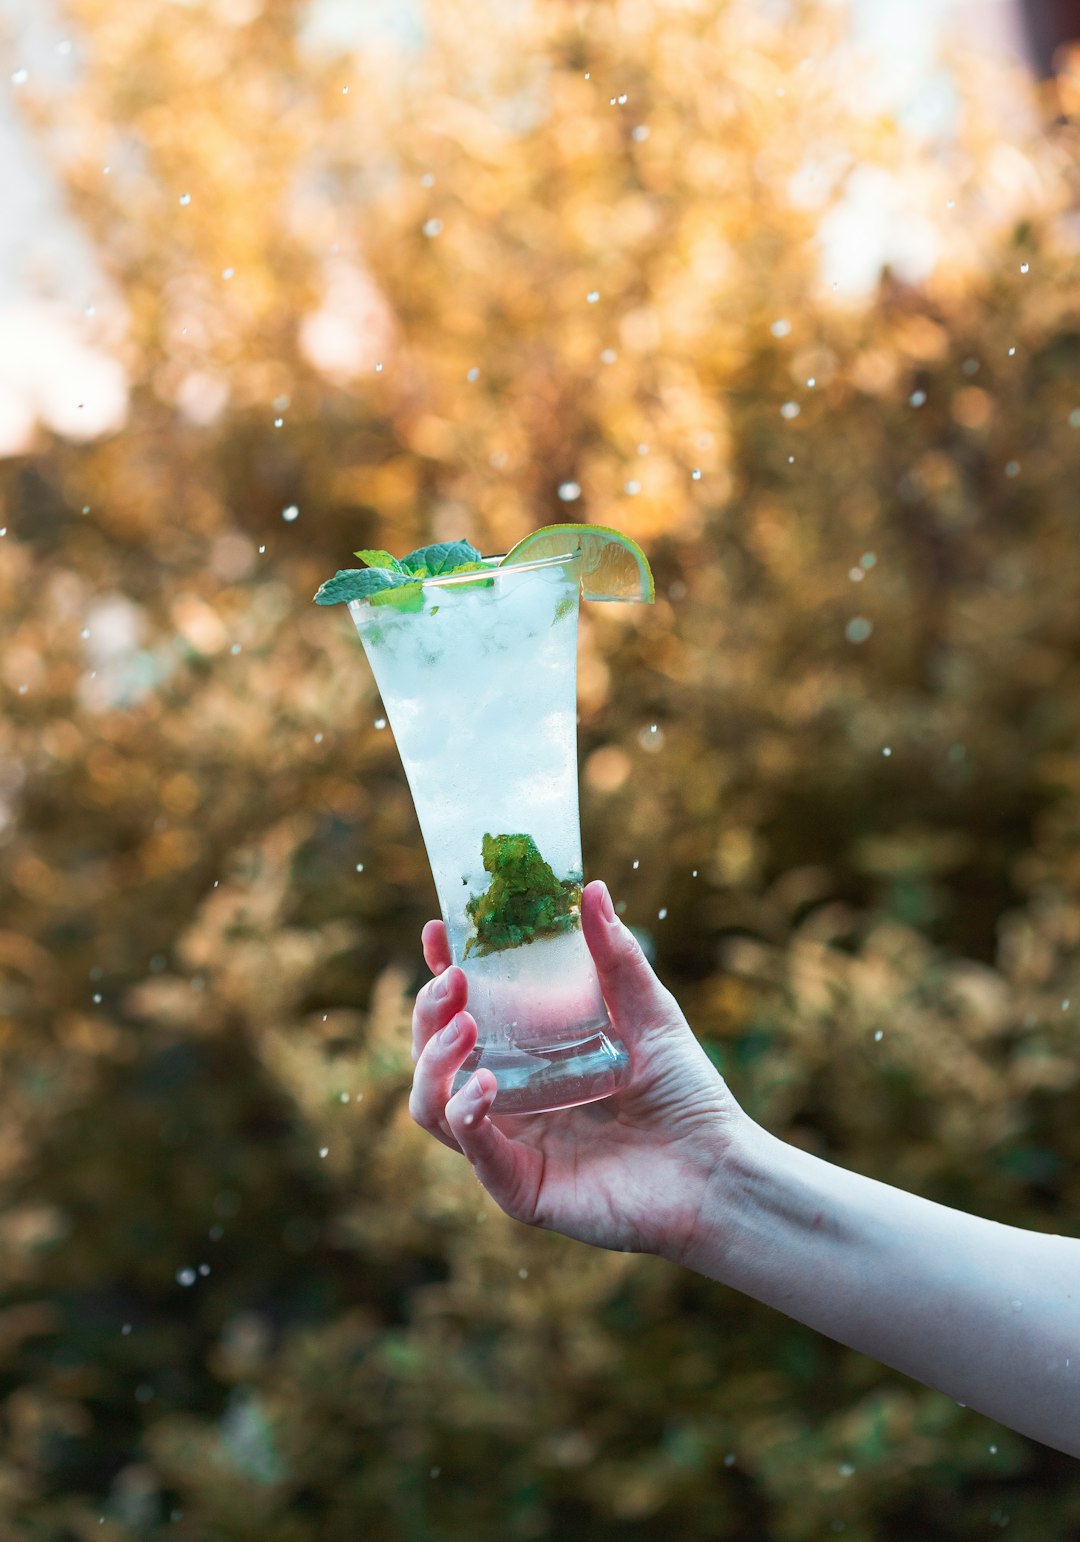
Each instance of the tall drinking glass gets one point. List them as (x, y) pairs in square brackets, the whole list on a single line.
[(479, 684)]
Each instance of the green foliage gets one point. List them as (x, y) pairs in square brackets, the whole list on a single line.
[(211, 880), (524, 899)]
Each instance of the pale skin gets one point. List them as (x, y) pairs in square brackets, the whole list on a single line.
[(988, 1314)]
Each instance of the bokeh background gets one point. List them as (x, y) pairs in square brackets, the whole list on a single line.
[(789, 293)]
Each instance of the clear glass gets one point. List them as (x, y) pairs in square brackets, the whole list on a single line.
[(480, 688)]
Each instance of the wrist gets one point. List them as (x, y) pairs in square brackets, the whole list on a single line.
[(731, 1169)]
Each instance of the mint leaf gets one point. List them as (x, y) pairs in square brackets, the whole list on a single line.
[(359, 584), (379, 559), (441, 558), (408, 595)]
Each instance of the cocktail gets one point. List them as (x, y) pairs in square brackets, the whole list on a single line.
[(476, 665)]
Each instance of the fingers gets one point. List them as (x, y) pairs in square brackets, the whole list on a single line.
[(436, 1003), (438, 1062), (511, 1172), (635, 997), (436, 946)]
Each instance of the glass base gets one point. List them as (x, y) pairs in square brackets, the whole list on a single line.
[(541, 1078)]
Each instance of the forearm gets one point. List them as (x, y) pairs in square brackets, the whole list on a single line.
[(987, 1313)]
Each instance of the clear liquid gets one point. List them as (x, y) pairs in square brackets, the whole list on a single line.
[(480, 687)]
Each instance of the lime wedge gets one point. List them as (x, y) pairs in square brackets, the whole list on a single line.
[(613, 567)]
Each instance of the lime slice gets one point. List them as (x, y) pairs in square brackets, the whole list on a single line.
[(613, 567)]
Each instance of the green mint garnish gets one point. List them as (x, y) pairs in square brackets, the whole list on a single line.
[(442, 558), (524, 899), (386, 580), (361, 584)]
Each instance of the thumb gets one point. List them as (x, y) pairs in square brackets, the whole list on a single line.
[(635, 997)]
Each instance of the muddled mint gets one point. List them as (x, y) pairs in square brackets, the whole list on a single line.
[(524, 899), (388, 580)]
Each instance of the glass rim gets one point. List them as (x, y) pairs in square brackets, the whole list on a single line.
[(444, 581)]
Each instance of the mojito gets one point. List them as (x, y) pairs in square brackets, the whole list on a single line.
[(479, 681)]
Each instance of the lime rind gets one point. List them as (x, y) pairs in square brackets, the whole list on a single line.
[(613, 565)]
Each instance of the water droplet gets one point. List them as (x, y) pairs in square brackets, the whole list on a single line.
[(343, 1097), (636, 863), (204, 1270), (661, 914), (523, 1274), (186, 1277), (23, 689), (91, 310), (632, 488), (858, 629), (227, 272), (235, 649), (640, 133), (19, 77), (262, 551), (845, 1469), (729, 1459), (63, 47), (126, 1329), (868, 559), (318, 738), (790, 410), (791, 460), (622, 99), (1023, 267), (185, 199), (290, 513), (380, 722), (86, 508), (588, 74), (1065, 1004), (592, 296), (428, 179), (324, 1151), (608, 356), (695, 475), (97, 998), (432, 228), (85, 633), (812, 382), (1012, 350), (435, 1471), (569, 492), (993, 1449), (878, 1035), (916, 398), (378, 368), (359, 867), (3, 530), (951, 203), (886, 750), (474, 374), (278, 422), (780, 328), (1012, 469), (694, 873), (856, 575), (1074, 418)]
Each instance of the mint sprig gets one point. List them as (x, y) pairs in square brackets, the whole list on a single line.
[(386, 580)]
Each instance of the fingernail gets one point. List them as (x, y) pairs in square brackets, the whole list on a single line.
[(473, 1090), (440, 986), (607, 909), (451, 1033)]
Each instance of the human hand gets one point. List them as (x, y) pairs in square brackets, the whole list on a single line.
[(629, 1172)]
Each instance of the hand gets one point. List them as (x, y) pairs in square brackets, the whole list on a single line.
[(630, 1172)]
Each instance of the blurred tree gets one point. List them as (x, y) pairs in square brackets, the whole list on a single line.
[(564, 264)]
